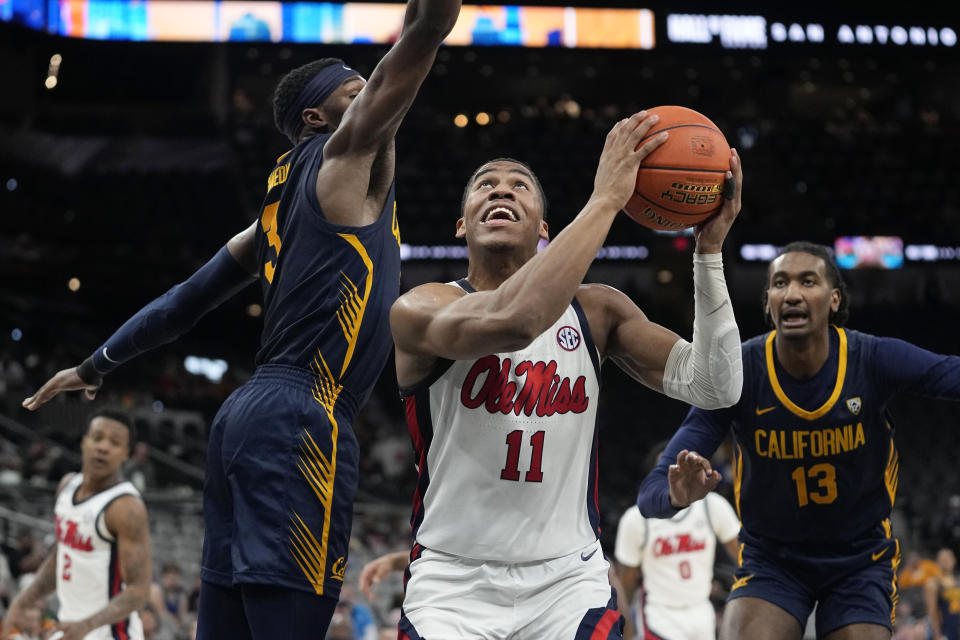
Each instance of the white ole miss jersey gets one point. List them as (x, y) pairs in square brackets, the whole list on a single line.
[(506, 449), (88, 569), (676, 555)]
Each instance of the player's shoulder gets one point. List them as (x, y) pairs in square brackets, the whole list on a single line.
[(753, 355), (430, 294), (603, 301), (65, 480), (125, 512), (755, 345), (857, 340), (420, 303), (598, 293), (715, 501), (631, 517)]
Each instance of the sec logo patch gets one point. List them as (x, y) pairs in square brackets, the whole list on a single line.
[(568, 338)]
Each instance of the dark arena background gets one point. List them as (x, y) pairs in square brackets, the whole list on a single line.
[(136, 137)]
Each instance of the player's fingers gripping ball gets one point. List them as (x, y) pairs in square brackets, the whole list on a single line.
[(681, 183)]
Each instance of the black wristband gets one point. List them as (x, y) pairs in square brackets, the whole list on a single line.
[(88, 373)]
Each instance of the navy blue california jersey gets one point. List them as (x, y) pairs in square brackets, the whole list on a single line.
[(815, 459), (327, 288)]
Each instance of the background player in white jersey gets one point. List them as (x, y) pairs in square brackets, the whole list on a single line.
[(674, 558), (501, 388), (100, 566)]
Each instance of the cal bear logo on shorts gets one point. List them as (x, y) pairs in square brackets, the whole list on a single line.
[(339, 568), (568, 338)]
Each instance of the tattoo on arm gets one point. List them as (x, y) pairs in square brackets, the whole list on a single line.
[(131, 528)]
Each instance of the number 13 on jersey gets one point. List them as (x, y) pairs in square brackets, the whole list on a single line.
[(825, 490)]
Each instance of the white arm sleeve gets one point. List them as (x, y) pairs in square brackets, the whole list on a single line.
[(708, 373)]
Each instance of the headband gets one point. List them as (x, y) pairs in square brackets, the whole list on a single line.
[(317, 90)]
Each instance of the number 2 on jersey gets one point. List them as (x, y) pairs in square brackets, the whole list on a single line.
[(65, 575), (511, 471), (826, 490)]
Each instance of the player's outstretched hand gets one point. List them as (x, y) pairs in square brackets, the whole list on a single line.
[(66, 380), (376, 570), (691, 479), (711, 233), (622, 154)]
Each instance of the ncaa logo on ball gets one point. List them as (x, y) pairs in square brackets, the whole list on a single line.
[(568, 338)]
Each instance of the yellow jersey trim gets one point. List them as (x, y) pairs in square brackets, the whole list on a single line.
[(352, 302), (737, 481), (837, 387)]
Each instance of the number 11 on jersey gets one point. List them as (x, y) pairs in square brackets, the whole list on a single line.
[(511, 471)]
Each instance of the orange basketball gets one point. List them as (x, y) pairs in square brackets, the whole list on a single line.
[(681, 182)]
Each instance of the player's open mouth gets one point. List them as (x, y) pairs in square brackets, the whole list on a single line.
[(793, 318), (499, 215)]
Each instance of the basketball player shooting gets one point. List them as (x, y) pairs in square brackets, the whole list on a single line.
[(500, 376), (100, 565), (816, 466), (282, 459)]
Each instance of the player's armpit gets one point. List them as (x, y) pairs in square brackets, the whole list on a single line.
[(243, 249)]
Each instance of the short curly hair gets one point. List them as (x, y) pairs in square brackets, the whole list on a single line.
[(117, 415), (842, 314), (292, 83)]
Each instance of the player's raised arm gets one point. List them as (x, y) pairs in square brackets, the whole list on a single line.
[(163, 320), (375, 115), (360, 151), (707, 372), (431, 321), (683, 474)]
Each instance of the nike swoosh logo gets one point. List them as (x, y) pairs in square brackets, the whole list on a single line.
[(760, 411), (587, 556), (876, 556), (740, 582)]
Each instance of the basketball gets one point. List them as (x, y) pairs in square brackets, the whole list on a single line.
[(681, 183)]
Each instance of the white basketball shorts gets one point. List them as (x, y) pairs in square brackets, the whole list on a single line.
[(453, 598), (696, 622)]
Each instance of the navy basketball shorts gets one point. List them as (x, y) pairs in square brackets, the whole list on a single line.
[(849, 582), (280, 480)]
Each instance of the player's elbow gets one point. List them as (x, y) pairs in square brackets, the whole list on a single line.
[(723, 396), (139, 594), (728, 388)]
